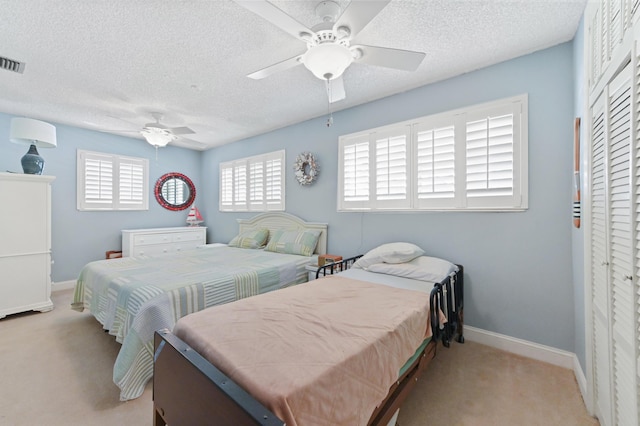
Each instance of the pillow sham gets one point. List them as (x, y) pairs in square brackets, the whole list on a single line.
[(293, 242), (422, 268), (252, 239), (389, 253)]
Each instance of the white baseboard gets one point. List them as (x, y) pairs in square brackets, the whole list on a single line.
[(532, 350), (581, 379), (62, 285), (521, 347)]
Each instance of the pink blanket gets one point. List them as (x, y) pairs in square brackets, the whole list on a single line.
[(321, 353)]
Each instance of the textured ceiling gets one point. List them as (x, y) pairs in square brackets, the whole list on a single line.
[(108, 64)]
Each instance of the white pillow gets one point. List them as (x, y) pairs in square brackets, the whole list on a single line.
[(389, 253), (423, 268)]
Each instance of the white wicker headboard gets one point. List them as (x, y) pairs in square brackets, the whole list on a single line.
[(286, 221)]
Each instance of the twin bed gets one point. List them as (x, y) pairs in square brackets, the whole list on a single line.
[(344, 349)]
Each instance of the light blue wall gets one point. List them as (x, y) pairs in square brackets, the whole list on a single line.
[(81, 237), (577, 234), (518, 265)]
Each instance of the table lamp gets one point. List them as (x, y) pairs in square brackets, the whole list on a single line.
[(36, 134)]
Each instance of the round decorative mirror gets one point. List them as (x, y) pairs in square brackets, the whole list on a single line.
[(175, 191)]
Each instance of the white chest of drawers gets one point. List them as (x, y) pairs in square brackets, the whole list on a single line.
[(156, 241)]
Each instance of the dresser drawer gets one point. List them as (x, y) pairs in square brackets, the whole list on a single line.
[(149, 239), (188, 236), (153, 250)]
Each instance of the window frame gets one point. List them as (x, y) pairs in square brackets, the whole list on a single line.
[(458, 119), (115, 202), (245, 195)]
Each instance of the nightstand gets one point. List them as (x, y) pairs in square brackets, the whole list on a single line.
[(312, 269)]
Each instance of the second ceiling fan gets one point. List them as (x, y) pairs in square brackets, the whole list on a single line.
[(329, 49)]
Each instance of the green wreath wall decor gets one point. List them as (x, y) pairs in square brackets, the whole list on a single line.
[(306, 168)]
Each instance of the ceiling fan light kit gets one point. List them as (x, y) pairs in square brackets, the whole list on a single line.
[(327, 61), (158, 137)]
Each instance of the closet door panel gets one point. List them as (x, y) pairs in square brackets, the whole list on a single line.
[(621, 251), (599, 268)]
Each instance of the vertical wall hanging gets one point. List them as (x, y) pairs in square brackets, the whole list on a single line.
[(306, 168), (576, 173)]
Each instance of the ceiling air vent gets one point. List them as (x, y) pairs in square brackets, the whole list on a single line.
[(11, 65)]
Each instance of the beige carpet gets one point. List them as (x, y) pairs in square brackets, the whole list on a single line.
[(56, 368)]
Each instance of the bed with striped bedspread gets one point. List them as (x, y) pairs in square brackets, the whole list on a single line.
[(134, 296)]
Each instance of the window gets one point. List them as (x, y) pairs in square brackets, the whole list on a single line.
[(253, 183), (469, 159), (111, 182)]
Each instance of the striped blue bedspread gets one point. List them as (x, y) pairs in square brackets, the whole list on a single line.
[(132, 297)]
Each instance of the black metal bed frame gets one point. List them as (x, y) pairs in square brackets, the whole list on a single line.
[(447, 296)]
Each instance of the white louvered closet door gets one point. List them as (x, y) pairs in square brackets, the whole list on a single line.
[(599, 260), (614, 295), (622, 301)]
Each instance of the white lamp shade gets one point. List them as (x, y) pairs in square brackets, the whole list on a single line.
[(27, 131), (327, 61), (157, 136)]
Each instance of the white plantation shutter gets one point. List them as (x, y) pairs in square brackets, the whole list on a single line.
[(132, 183), (111, 182), (392, 168), (274, 184), (253, 183), (98, 186), (240, 186), (354, 177), (492, 158), (435, 166), (226, 188), (470, 159), (256, 184)]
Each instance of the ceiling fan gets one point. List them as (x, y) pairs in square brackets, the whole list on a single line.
[(160, 135), (329, 49)]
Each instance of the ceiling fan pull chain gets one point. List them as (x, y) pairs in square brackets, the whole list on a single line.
[(330, 119)]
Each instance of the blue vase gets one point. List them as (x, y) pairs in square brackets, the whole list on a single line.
[(32, 163)]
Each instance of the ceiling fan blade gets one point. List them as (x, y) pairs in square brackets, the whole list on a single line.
[(157, 125), (407, 60), (117, 131), (181, 131), (276, 16), (335, 89), (272, 69), (190, 143), (358, 14)]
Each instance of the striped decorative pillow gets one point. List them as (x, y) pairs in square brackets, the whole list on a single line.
[(293, 242), (252, 239)]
